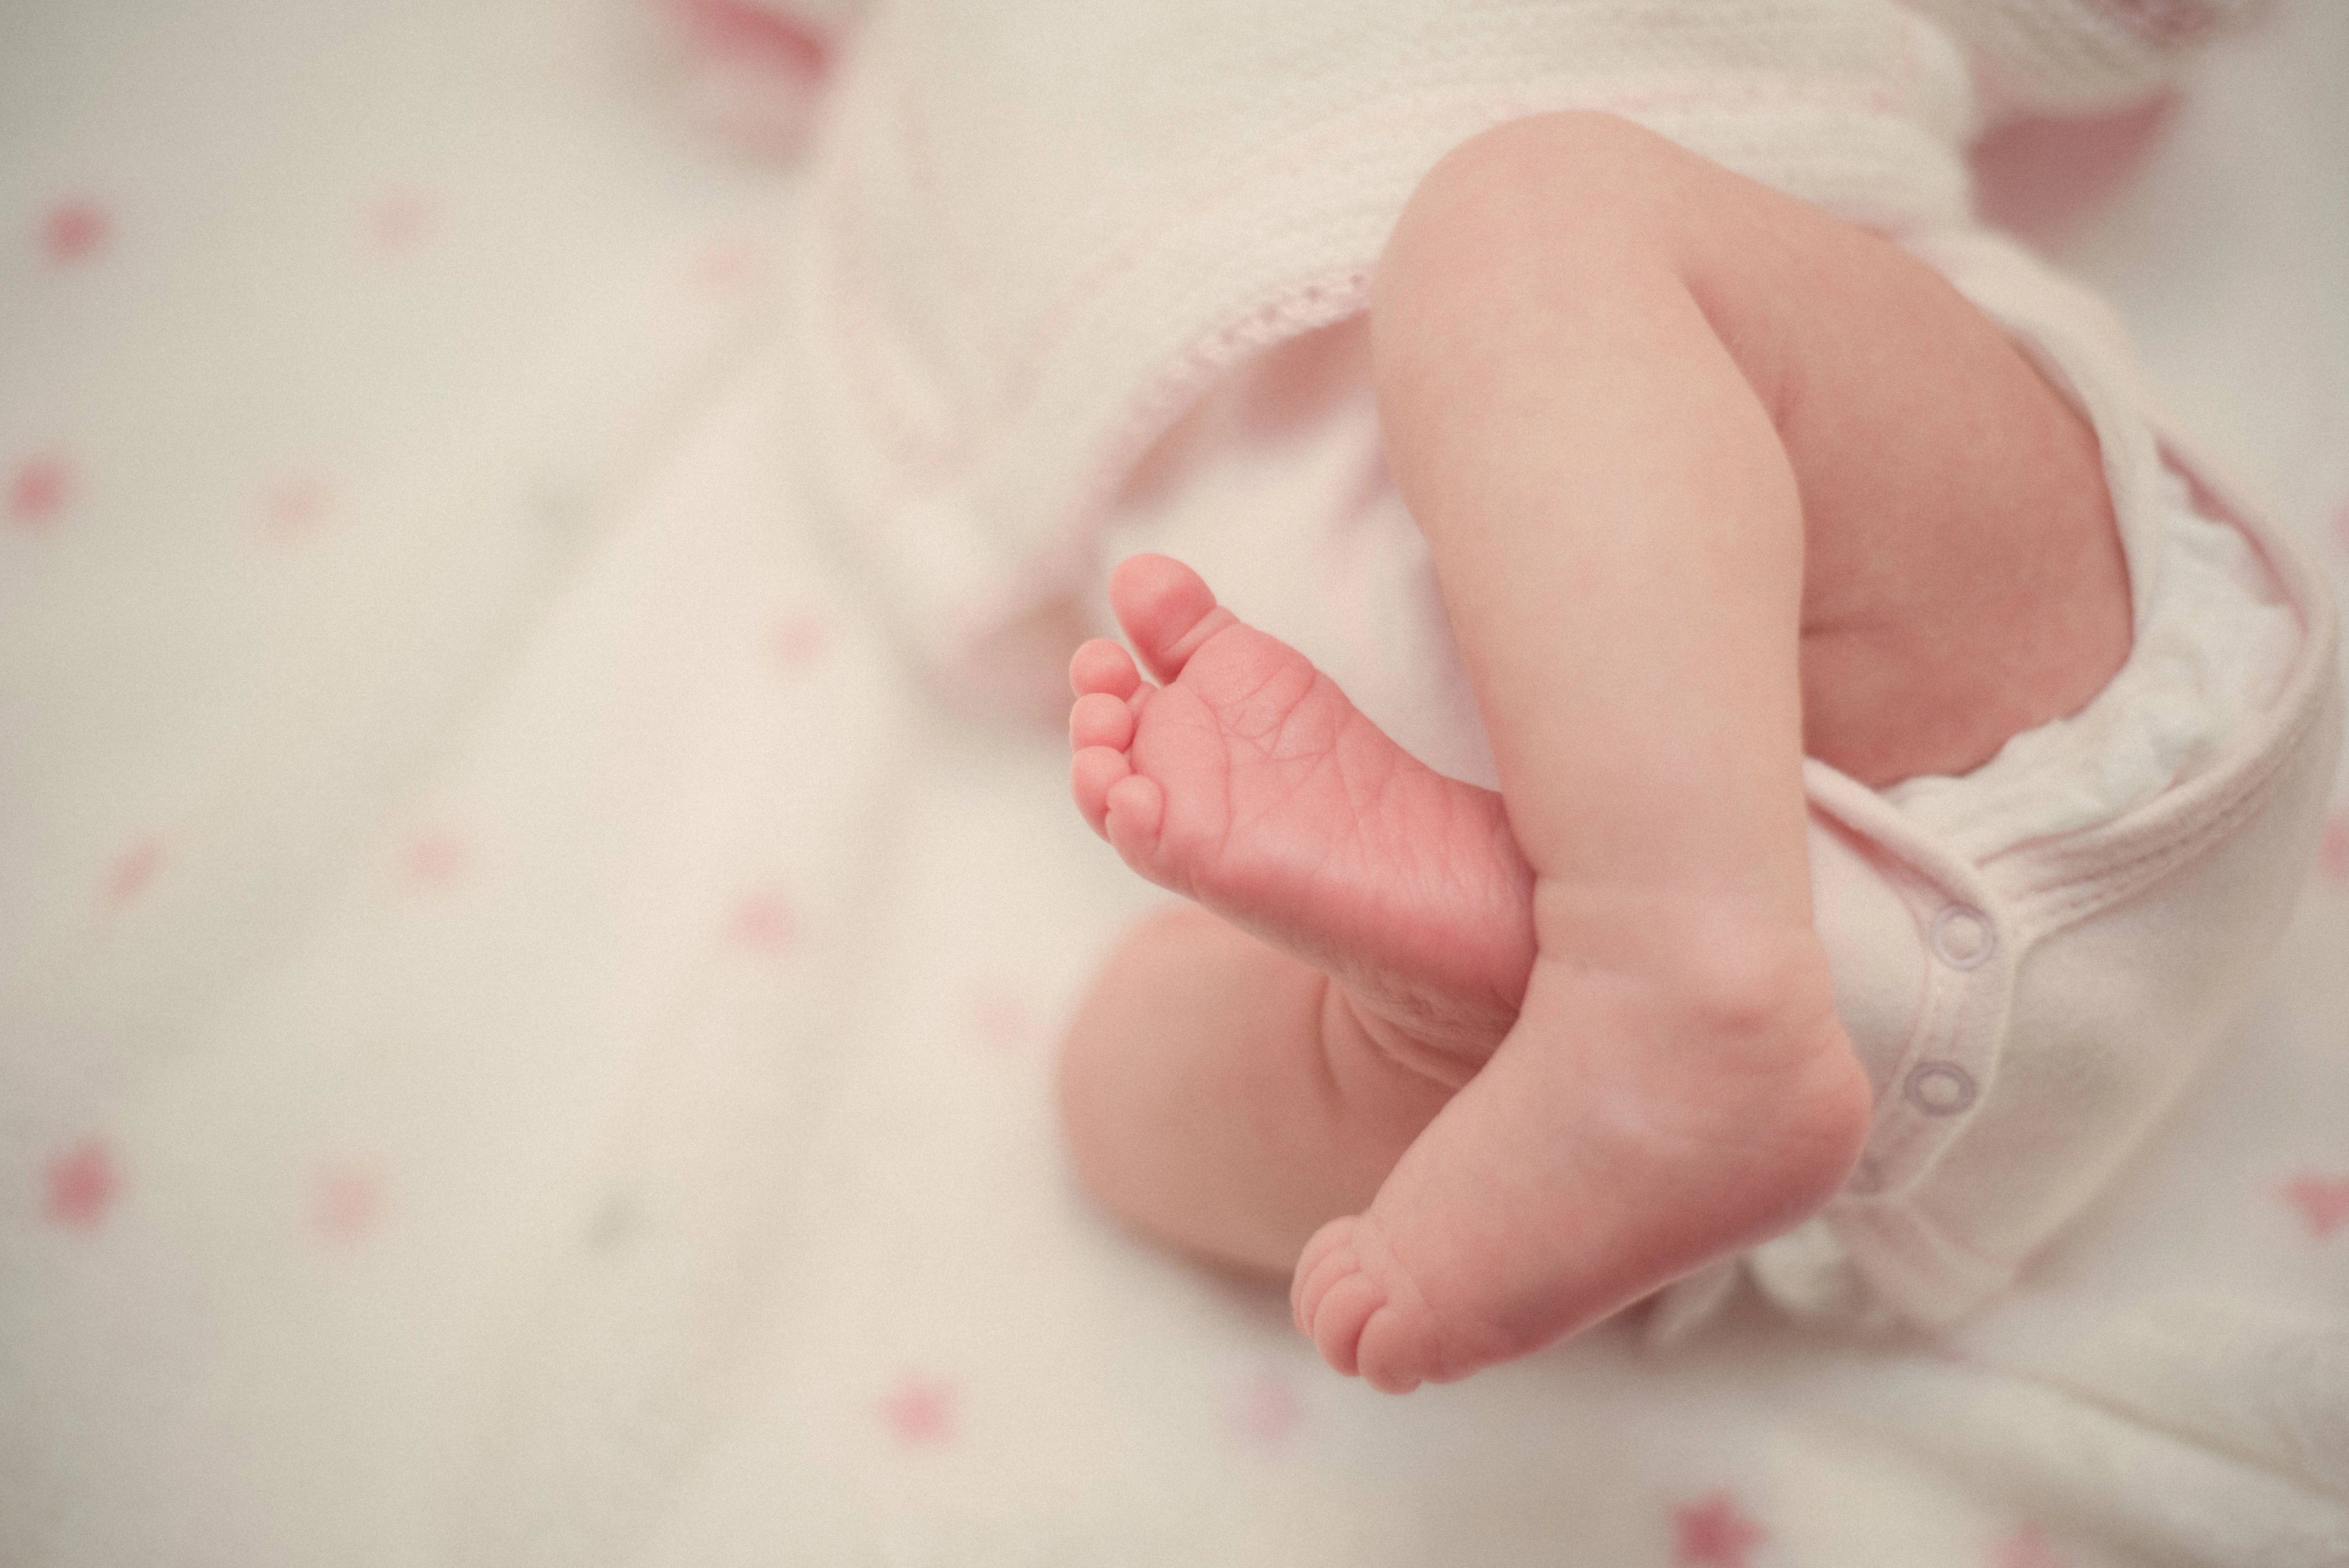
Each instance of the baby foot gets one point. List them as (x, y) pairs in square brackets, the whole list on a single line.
[(1632, 1125), (1250, 784), (1623, 1135)]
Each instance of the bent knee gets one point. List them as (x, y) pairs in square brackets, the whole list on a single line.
[(1561, 183), (1536, 217), (1601, 159)]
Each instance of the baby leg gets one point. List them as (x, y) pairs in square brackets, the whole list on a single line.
[(1626, 394), (1223, 1095)]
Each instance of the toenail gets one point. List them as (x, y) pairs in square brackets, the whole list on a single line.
[(1939, 1088), (1962, 938)]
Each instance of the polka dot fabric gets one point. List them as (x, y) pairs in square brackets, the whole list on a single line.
[(526, 1033)]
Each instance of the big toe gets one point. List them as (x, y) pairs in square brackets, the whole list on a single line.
[(1167, 611)]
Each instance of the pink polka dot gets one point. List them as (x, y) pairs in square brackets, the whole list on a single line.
[(2323, 1202), (1267, 1412), (2027, 1548), (400, 220), (74, 230), (40, 491), (2333, 851), (82, 1185), (919, 1413), (733, 266), (132, 871), (294, 508), (796, 642), (346, 1203), (436, 859), (1712, 1533), (763, 922)]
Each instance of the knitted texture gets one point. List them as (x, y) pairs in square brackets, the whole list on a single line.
[(2079, 57)]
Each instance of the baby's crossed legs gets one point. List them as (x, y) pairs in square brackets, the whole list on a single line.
[(1710, 480)]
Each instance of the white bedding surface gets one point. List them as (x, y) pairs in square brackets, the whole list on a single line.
[(525, 1029)]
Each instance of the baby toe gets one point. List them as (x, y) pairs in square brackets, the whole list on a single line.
[(1094, 772), (1100, 665), (1397, 1350), (1339, 1316), (1099, 718), (1328, 1257), (1167, 611), (1133, 808)]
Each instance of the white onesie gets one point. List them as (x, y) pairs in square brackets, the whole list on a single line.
[(1080, 281)]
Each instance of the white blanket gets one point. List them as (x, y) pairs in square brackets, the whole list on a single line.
[(525, 1027)]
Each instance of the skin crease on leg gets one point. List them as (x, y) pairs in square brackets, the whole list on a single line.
[(1712, 481)]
